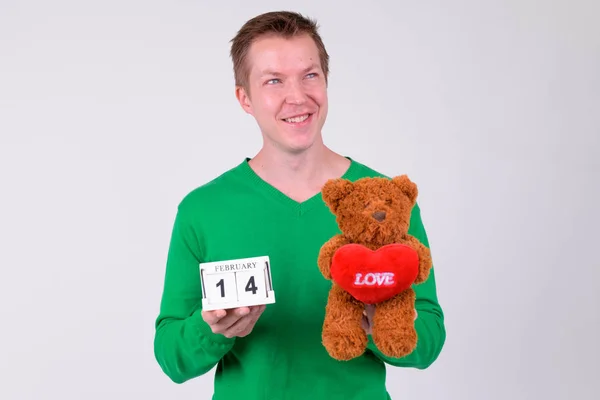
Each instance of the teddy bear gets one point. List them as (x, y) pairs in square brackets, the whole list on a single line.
[(372, 261)]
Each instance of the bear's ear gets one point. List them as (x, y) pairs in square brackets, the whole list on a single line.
[(334, 191), (407, 187)]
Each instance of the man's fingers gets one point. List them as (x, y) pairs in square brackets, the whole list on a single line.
[(369, 311), (366, 325), (212, 317), (258, 309), (233, 322), (232, 316), (241, 327), (244, 325), (216, 317)]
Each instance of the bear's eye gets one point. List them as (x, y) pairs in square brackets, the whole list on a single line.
[(388, 202), (367, 204)]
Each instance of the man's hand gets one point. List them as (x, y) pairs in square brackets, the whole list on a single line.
[(237, 322), (367, 321)]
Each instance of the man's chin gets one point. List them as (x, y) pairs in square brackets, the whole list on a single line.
[(298, 148), (293, 141), (298, 141)]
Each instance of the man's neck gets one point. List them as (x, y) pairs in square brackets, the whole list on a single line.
[(300, 175)]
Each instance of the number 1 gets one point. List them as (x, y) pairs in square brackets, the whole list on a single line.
[(221, 283)]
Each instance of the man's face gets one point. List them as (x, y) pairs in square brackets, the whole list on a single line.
[(287, 91)]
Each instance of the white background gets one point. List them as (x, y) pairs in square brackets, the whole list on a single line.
[(107, 114)]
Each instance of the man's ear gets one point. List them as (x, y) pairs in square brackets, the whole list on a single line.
[(243, 98), (334, 191), (407, 187)]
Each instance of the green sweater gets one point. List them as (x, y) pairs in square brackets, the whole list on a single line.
[(238, 215)]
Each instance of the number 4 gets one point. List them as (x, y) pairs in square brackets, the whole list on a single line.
[(251, 285)]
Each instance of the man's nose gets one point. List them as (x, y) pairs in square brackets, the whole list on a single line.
[(295, 93)]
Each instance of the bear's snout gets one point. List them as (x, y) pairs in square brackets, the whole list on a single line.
[(379, 215)]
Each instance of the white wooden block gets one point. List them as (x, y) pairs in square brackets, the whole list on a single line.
[(236, 283)]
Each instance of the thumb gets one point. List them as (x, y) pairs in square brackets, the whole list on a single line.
[(212, 317)]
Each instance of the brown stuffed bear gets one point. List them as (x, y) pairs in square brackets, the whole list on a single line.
[(373, 261)]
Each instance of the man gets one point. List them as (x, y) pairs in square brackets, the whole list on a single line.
[(271, 205)]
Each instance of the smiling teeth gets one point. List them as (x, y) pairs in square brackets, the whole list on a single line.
[(297, 119)]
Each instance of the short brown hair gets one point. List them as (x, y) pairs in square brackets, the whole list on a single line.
[(286, 24)]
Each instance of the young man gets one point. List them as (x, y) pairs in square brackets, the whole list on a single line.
[(271, 205)]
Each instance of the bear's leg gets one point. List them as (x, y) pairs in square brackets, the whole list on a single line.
[(343, 335), (393, 328)]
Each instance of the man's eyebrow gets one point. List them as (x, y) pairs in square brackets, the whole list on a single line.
[(274, 73), (310, 67), (269, 72)]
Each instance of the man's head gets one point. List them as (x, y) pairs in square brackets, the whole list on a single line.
[(281, 71)]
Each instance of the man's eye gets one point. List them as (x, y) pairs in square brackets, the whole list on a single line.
[(272, 81)]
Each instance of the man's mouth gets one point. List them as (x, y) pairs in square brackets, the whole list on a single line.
[(297, 119)]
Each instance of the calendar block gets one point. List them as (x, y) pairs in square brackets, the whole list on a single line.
[(236, 283)]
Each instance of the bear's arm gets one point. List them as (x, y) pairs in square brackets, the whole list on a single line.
[(430, 326), (326, 254), (425, 261)]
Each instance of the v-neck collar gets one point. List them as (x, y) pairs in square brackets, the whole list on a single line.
[(300, 207)]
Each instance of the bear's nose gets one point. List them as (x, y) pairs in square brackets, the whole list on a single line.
[(379, 215)]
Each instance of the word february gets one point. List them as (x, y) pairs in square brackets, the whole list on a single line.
[(235, 266), (375, 279)]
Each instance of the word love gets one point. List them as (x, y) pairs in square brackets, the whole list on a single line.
[(375, 279), (373, 276)]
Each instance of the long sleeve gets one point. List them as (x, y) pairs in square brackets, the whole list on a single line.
[(431, 331), (184, 345)]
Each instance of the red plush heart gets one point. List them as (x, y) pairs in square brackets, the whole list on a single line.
[(373, 276)]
